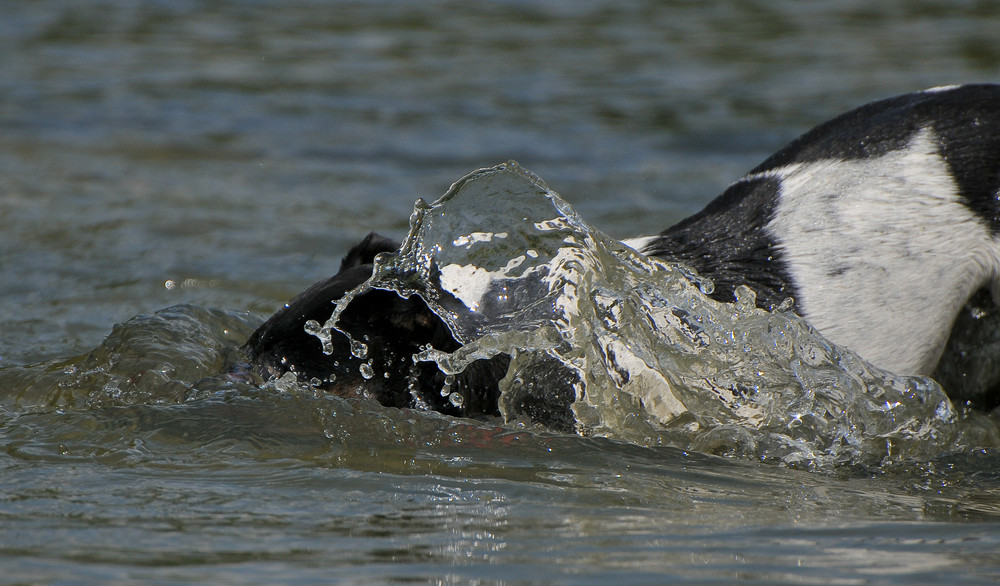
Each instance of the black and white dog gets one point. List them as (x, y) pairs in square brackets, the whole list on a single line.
[(882, 224)]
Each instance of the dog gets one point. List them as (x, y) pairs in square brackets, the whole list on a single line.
[(881, 224)]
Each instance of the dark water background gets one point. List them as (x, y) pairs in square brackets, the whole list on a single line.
[(226, 154)]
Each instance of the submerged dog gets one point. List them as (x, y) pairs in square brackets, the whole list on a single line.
[(881, 224)]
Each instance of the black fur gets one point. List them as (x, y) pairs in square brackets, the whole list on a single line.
[(727, 242)]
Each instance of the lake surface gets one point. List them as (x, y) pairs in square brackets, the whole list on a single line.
[(172, 172)]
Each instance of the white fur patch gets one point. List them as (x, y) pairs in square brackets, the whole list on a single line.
[(639, 243), (882, 251), (941, 88), (468, 283)]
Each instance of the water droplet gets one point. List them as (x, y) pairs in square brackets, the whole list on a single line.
[(359, 349), (314, 328), (448, 381)]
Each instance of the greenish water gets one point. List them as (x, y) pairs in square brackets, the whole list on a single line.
[(216, 158)]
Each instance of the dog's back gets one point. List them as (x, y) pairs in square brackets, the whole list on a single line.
[(880, 223)]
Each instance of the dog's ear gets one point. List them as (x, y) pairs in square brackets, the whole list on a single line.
[(365, 251)]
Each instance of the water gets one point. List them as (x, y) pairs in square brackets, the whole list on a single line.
[(183, 169)]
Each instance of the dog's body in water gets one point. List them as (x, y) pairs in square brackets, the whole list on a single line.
[(881, 224)]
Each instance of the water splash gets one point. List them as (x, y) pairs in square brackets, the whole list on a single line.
[(643, 353)]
